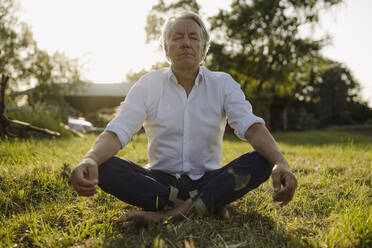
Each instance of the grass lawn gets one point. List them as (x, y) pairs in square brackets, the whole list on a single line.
[(332, 206)]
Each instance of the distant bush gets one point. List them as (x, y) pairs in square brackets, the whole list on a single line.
[(309, 115), (41, 116)]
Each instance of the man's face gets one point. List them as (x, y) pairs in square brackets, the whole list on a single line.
[(185, 44)]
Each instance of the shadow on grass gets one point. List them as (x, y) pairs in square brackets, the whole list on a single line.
[(242, 229), (35, 188)]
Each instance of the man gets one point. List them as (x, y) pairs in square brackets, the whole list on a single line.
[(183, 110)]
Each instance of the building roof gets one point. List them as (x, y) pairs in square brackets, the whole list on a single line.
[(93, 89)]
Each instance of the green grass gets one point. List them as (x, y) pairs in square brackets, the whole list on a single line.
[(332, 206), (39, 118)]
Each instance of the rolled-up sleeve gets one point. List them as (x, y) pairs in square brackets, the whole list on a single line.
[(238, 110), (131, 114)]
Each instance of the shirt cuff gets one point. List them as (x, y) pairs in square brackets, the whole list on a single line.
[(120, 133), (242, 128)]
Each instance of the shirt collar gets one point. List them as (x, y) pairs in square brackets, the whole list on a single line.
[(199, 78)]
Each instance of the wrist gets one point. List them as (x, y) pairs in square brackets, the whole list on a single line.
[(282, 165), (89, 161)]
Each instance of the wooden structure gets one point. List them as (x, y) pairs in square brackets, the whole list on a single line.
[(6, 124), (89, 97)]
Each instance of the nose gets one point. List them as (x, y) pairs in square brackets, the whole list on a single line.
[(186, 41)]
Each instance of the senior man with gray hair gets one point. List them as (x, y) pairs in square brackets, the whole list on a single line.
[(183, 110)]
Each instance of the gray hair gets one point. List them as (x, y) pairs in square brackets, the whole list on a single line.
[(185, 15)]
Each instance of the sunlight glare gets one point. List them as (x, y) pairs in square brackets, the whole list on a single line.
[(108, 37)]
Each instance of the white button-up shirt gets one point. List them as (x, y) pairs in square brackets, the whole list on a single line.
[(184, 133)]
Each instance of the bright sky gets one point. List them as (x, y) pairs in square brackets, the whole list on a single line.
[(108, 36)]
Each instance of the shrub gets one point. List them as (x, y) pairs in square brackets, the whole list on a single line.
[(41, 116)]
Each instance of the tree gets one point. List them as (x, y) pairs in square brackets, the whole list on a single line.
[(335, 95), (260, 44), (53, 75), (134, 76), (27, 65), (159, 12), (16, 46)]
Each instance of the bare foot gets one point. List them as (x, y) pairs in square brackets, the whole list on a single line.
[(180, 210), (142, 218)]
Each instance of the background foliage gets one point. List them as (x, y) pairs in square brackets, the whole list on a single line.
[(280, 68), (28, 66), (260, 43)]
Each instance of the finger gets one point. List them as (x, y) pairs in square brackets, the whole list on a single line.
[(286, 193), (93, 174), (287, 199), (81, 181), (83, 188), (78, 178), (85, 182), (276, 181), (86, 191), (280, 197), (290, 184)]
